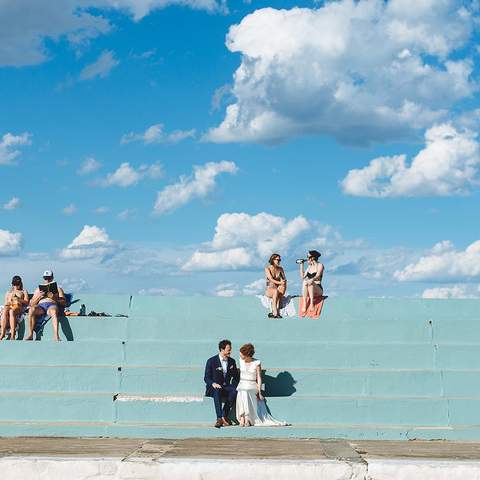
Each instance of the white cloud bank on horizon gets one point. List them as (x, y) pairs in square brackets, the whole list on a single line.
[(381, 70), (156, 134), (8, 143), (92, 243), (444, 263), (198, 185), (10, 243), (24, 41), (456, 291), (127, 176), (447, 165)]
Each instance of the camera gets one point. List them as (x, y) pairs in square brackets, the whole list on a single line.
[(300, 260)]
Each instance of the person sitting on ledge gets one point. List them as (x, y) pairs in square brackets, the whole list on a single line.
[(46, 301), (221, 381), (16, 301), (276, 284), (311, 281)]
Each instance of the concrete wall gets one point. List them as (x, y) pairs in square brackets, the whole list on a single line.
[(366, 369)]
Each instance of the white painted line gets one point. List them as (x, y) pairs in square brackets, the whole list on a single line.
[(160, 398)]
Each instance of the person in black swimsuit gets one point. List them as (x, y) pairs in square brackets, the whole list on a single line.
[(311, 279)]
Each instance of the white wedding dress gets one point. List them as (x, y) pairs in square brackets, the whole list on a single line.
[(247, 401)]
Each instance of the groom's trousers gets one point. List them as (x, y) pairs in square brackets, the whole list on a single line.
[(227, 395)]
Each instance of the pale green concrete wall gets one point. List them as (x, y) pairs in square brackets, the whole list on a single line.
[(379, 368)]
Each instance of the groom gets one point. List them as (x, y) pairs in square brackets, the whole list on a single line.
[(221, 380)]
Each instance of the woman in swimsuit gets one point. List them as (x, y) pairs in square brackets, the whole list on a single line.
[(311, 279), (16, 300), (276, 283)]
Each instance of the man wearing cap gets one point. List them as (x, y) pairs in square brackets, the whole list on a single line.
[(45, 304)]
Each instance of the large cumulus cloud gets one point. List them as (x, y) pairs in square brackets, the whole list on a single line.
[(360, 71)]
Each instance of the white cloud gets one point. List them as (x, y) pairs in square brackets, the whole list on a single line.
[(232, 289), (197, 186), (8, 152), (26, 26), (88, 166), (141, 8), (444, 263), (126, 176), (226, 290), (99, 68), (12, 204), (70, 209), (361, 71), (242, 241), (10, 243), (254, 288), (156, 134), (160, 291), (74, 285), (229, 259), (126, 214), (448, 165), (102, 210), (92, 243), (456, 291)]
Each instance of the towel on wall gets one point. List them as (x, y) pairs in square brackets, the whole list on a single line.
[(287, 307), (317, 307)]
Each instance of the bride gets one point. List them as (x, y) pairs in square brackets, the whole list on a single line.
[(251, 408)]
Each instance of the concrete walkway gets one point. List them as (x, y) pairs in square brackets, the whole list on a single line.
[(232, 459)]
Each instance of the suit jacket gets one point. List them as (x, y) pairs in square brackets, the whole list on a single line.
[(214, 374)]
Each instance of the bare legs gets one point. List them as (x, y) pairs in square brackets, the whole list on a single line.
[(37, 312), (9, 315), (3, 324), (52, 311), (245, 421), (309, 292), (276, 295)]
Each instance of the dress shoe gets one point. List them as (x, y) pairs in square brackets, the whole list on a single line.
[(226, 422), (219, 423)]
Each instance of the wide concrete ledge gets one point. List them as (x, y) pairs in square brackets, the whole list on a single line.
[(232, 459)]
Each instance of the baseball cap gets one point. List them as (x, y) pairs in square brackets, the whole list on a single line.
[(48, 273)]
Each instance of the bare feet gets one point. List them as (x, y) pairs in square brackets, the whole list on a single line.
[(57, 339), (30, 337), (2, 336)]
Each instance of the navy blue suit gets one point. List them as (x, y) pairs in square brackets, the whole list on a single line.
[(229, 383)]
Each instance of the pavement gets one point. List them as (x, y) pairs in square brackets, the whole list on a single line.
[(231, 459)]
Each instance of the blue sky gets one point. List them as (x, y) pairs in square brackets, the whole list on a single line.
[(170, 147)]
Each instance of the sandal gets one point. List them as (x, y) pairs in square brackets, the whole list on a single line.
[(271, 315), (278, 316)]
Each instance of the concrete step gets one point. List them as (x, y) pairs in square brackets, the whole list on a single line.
[(47, 378), (433, 411), (206, 430), (35, 406), (162, 327), (62, 353), (288, 354), (405, 383), (357, 310), (179, 380)]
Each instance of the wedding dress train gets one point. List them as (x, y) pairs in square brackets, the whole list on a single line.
[(248, 403)]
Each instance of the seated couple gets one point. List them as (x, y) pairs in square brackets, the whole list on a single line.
[(44, 302), (312, 289), (229, 385)]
